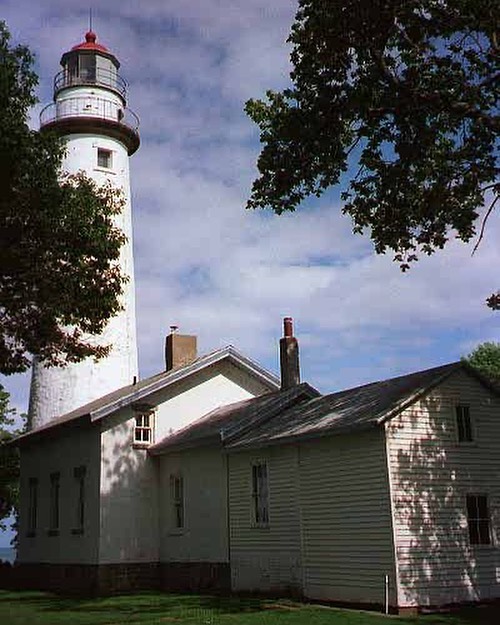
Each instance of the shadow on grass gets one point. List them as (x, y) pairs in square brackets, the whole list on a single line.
[(166, 605), (156, 607), (487, 614)]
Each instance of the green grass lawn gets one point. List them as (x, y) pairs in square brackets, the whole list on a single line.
[(38, 608)]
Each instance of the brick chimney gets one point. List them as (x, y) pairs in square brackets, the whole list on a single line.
[(289, 356), (180, 349)]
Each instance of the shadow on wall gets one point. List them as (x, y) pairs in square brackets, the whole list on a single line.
[(437, 563), (129, 498)]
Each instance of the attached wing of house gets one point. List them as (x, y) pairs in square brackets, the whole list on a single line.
[(367, 495)]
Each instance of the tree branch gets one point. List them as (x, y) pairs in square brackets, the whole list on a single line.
[(379, 58), (483, 224)]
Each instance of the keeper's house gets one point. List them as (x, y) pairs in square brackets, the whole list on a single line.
[(210, 476)]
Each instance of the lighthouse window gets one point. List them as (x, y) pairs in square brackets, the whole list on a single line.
[(72, 69), (87, 67), (104, 158)]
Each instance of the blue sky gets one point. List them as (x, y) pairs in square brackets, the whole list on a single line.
[(228, 275)]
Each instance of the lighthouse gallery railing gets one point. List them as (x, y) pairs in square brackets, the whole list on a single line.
[(89, 106)]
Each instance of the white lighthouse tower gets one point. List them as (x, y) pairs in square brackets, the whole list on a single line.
[(89, 111)]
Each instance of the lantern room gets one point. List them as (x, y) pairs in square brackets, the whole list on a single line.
[(90, 63), (90, 96)]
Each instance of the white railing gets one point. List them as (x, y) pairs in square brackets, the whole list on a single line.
[(99, 77), (89, 106)]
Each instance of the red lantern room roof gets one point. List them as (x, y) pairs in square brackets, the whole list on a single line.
[(89, 46), (90, 43)]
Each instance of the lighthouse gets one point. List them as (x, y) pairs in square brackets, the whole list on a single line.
[(89, 111)]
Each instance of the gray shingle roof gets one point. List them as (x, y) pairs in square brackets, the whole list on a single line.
[(281, 417), (140, 391), (229, 422), (350, 410)]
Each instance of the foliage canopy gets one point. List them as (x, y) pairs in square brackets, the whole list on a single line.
[(9, 460), (486, 359), (59, 249), (402, 97)]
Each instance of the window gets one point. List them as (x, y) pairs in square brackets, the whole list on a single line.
[(72, 69), (464, 426), (143, 432), (79, 475), (104, 158), (177, 501), (32, 505), (54, 503), (87, 67), (478, 520), (260, 494)]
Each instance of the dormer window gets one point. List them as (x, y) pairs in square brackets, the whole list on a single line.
[(144, 427)]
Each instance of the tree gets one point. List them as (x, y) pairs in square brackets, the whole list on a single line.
[(486, 359), (401, 97), (59, 249), (9, 461)]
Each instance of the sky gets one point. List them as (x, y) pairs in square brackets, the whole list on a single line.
[(228, 275)]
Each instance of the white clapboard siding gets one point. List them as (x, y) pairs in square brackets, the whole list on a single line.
[(346, 519), (204, 536), (265, 558), (431, 474)]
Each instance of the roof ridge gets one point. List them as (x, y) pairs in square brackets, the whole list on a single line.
[(359, 407), (126, 395), (451, 365), (205, 360), (414, 396)]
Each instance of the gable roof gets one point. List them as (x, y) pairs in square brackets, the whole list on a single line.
[(139, 392), (229, 422), (354, 409)]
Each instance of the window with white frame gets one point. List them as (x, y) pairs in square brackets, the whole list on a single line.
[(79, 474), (54, 503), (177, 501), (144, 427), (478, 520), (104, 158), (260, 493), (464, 424), (32, 505)]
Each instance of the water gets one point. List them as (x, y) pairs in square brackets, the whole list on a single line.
[(7, 553)]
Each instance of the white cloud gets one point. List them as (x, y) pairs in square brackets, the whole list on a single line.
[(227, 274)]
